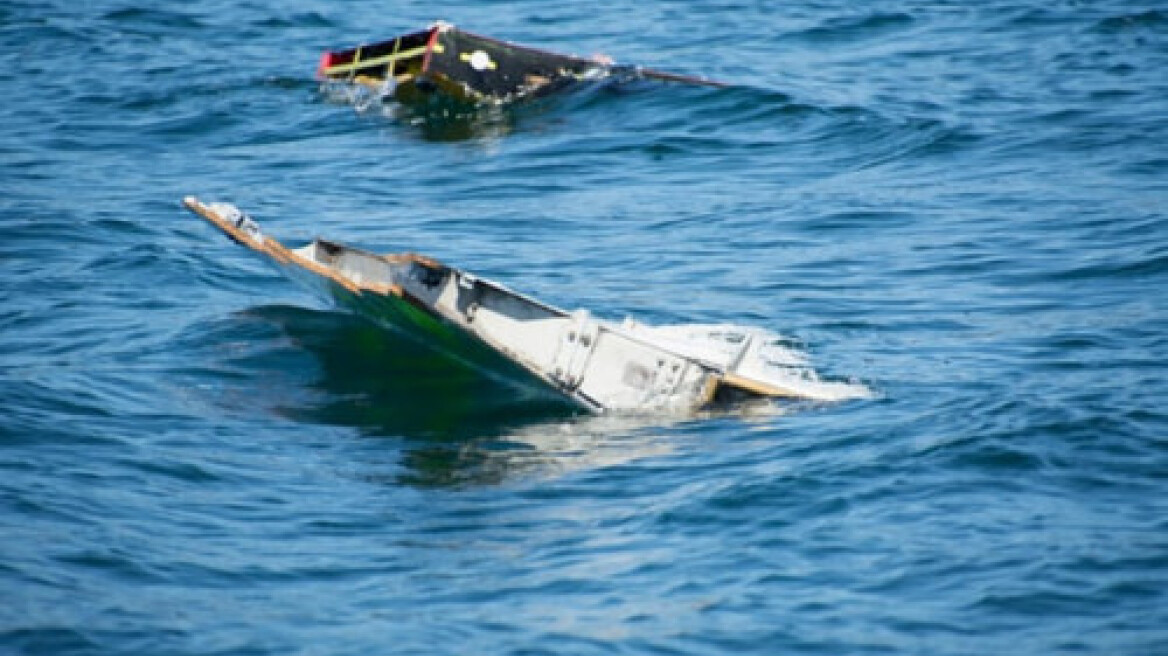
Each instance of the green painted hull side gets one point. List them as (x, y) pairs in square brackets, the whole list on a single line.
[(432, 332)]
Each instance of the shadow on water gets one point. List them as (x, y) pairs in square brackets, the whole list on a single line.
[(385, 384)]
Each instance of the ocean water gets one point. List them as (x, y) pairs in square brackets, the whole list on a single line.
[(960, 207)]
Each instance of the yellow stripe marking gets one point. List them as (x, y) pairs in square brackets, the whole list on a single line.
[(376, 61)]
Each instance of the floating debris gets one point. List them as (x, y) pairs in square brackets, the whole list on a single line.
[(446, 61), (591, 363)]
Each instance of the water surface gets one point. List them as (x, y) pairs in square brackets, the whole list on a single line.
[(961, 208)]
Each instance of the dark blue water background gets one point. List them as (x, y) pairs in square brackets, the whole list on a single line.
[(960, 205)]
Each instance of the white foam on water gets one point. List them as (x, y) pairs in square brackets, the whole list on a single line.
[(751, 352), (363, 98)]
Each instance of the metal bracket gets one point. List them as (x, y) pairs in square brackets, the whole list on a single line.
[(577, 343), (470, 294)]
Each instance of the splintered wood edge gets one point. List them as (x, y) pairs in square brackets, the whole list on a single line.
[(759, 387), (274, 249)]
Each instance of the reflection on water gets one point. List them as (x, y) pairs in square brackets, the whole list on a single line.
[(441, 118), (555, 447), (538, 450)]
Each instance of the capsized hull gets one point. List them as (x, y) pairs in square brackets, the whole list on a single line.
[(594, 364)]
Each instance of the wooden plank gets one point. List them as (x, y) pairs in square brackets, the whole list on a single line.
[(758, 387)]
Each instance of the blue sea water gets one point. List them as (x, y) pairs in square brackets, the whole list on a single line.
[(961, 206)]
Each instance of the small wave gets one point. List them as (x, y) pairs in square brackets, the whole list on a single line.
[(153, 18), (312, 19), (1149, 20), (855, 28), (47, 638)]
